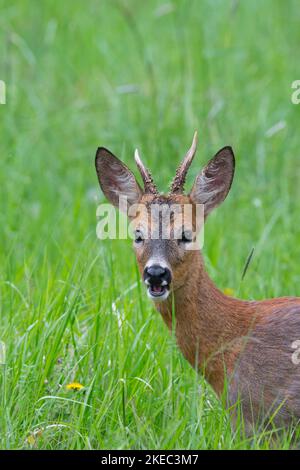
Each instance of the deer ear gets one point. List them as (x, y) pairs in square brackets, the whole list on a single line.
[(116, 179), (212, 185)]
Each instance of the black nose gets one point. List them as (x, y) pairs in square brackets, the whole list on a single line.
[(156, 275)]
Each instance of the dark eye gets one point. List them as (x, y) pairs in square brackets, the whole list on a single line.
[(138, 238), (186, 237)]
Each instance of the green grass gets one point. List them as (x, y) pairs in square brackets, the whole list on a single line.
[(72, 307)]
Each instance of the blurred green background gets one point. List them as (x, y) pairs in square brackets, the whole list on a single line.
[(126, 74)]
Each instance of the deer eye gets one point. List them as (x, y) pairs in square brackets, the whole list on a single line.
[(139, 239), (186, 237)]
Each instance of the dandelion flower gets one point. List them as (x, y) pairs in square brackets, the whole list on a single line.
[(31, 440), (33, 437), (228, 291), (75, 386)]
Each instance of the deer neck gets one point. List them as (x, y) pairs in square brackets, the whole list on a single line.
[(209, 326)]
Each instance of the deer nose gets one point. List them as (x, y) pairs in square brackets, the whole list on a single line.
[(157, 275)]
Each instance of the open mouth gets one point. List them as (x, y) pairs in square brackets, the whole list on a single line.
[(158, 292)]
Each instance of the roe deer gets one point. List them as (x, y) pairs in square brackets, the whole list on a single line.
[(250, 344)]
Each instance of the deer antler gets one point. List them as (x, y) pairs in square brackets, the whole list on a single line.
[(181, 172), (149, 185)]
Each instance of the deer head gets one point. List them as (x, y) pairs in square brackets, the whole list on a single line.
[(165, 262)]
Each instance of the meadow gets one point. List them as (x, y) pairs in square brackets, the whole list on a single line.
[(127, 74)]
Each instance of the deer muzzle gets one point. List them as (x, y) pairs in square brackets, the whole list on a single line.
[(157, 279)]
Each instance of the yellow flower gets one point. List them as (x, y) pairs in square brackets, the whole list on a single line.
[(31, 440), (228, 291), (33, 437), (75, 386)]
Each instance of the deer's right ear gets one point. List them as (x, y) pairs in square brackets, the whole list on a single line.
[(212, 185), (116, 179)]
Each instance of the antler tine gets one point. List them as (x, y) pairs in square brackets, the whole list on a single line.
[(149, 184), (181, 172)]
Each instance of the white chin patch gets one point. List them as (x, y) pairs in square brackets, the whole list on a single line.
[(158, 297)]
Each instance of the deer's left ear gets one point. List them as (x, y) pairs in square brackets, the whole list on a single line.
[(116, 179), (212, 185)]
